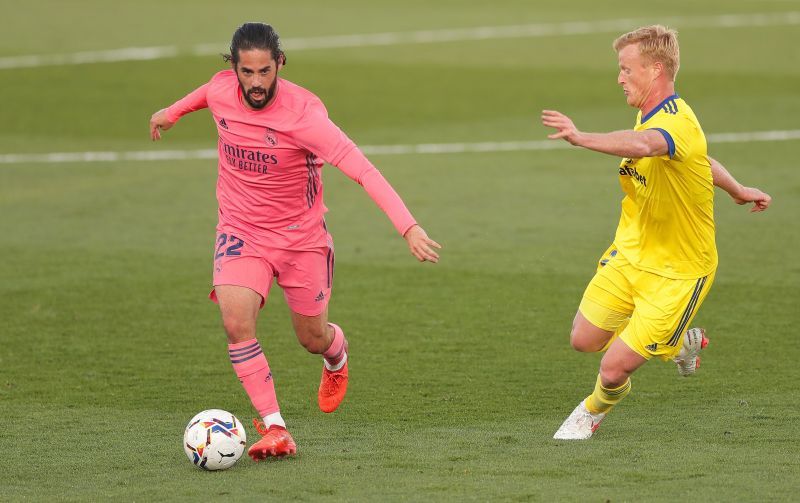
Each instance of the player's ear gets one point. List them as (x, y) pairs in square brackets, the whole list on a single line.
[(657, 69), (281, 60)]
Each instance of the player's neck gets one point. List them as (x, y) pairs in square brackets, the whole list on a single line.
[(656, 95)]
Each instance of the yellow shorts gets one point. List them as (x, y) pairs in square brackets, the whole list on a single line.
[(660, 309)]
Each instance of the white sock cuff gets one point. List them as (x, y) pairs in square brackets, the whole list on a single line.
[(338, 366), (274, 418)]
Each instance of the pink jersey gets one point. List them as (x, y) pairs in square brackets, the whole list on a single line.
[(270, 163)]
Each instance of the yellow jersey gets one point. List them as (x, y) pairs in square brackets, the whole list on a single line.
[(667, 221)]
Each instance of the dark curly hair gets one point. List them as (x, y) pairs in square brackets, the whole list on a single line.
[(255, 36)]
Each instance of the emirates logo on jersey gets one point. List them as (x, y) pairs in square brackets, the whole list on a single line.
[(270, 137)]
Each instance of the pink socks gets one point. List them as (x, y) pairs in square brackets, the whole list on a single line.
[(336, 355), (252, 369)]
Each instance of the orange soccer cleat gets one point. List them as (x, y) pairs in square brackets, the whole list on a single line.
[(332, 388), (275, 441)]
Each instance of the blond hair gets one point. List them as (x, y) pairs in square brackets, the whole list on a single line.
[(656, 43)]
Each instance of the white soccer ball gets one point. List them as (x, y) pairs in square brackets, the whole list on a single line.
[(214, 440)]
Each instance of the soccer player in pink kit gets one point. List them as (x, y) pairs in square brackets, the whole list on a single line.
[(273, 138)]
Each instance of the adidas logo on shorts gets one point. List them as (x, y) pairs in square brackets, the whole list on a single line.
[(320, 297)]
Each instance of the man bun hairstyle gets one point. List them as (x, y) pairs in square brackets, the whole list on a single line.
[(251, 36), (656, 43)]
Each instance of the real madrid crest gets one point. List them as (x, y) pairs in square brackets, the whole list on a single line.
[(270, 137)]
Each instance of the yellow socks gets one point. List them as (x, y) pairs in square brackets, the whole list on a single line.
[(603, 399)]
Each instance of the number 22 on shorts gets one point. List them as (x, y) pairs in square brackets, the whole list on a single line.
[(234, 248)]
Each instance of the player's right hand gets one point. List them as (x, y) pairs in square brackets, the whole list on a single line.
[(566, 128), (158, 123), (420, 245)]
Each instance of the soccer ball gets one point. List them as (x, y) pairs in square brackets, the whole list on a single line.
[(214, 439)]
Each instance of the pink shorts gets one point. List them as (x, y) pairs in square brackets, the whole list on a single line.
[(306, 276)]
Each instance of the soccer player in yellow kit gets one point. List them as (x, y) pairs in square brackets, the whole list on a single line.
[(652, 280)]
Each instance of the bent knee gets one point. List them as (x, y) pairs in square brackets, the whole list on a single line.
[(586, 342), (238, 329), (612, 377)]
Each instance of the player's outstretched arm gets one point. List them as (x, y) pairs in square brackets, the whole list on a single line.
[(629, 143), (356, 166), (167, 117), (421, 246), (158, 123), (738, 192), (324, 138)]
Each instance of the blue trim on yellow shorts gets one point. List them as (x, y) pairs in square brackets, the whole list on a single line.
[(687, 313)]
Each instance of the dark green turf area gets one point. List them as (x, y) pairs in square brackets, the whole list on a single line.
[(462, 371)]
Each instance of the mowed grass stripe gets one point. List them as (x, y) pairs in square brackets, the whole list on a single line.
[(422, 148), (569, 28)]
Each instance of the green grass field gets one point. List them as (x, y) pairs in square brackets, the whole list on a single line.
[(462, 371)]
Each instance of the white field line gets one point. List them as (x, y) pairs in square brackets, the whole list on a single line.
[(415, 37), (377, 150)]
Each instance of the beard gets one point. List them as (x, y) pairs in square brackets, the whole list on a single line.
[(257, 103)]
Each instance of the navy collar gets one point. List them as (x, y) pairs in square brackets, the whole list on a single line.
[(657, 108)]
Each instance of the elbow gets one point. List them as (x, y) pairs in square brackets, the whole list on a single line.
[(651, 149), (642, 149)]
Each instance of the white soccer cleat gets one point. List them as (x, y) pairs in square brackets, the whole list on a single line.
[(580, 425), (694, 341)]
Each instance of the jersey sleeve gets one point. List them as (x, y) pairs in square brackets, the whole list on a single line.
[(196, 100), (356, 166), (320, 136), (678, 131)]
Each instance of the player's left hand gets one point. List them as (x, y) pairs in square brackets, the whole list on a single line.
[(761, 200), (421, 246), (566, 128)]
